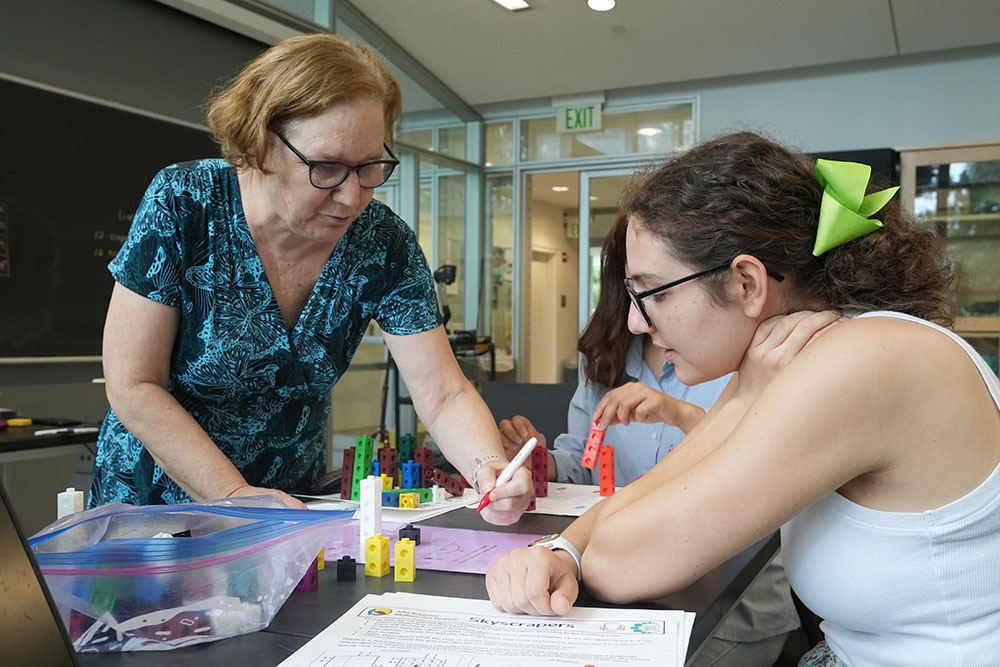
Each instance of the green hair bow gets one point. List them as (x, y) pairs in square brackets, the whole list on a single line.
[(845, 210)]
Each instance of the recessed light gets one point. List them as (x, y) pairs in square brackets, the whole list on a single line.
[(560, 188), (513, 5), (601, 5), (649, 131)]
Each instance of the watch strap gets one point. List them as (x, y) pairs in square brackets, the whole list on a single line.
[(560, 543)]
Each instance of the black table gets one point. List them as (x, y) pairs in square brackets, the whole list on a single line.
[(20, 442), (306, 614)]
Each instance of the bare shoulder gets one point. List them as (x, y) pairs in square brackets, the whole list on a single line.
[(884, 379), (908, 388), (884, 349)]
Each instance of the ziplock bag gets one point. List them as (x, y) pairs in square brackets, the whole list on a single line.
[(156, 577)]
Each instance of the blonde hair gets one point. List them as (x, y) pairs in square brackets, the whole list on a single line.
[(298, 77)]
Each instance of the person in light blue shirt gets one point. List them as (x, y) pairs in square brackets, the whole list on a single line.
[(638, 446), (630, 384)]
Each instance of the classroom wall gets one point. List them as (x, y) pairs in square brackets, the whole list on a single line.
[(939, 98), (136, 53), (140, 54), (945, 97)]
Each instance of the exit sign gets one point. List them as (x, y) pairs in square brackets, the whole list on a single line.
[(578, 118)]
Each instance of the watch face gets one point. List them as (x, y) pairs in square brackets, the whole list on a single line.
[(544, 540)]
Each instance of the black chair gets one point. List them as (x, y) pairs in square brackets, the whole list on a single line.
[(810, 622), (546, 405)]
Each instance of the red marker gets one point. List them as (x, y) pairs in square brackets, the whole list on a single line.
[(509, 471)]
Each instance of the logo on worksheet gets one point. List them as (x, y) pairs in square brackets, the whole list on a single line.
[(646, 628), (374, 611), (613, 627)]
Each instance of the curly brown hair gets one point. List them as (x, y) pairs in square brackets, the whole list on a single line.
[(298, 77), (741, 193), (605, 342)]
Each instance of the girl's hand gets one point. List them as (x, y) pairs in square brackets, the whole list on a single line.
[(533, 581), (777, 341), (639, 402), (516, 431)]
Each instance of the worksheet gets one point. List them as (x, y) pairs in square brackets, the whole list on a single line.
[(409, 630)]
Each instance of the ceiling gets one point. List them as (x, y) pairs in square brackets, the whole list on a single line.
[(486, 54)]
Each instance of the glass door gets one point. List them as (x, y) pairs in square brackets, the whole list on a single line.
[(547, 304), (567, 215), (599, 192)]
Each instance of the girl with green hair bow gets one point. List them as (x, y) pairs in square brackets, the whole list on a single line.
[(874, 447)]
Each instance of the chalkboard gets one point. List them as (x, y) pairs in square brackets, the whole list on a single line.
[(71, 175)]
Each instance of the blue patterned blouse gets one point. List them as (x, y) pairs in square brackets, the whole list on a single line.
[(259, 390)]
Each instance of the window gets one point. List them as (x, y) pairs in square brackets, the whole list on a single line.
[(662, 130)]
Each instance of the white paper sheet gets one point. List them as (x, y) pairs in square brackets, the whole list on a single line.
[(404, 629), (568, 499), (563, 500), (396, 514)]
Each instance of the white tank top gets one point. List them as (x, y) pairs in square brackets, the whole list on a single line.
[(901, 588)]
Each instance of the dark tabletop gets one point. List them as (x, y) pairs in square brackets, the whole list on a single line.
[(17, 438)]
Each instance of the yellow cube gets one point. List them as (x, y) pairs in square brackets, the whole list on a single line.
[(321, 561), (409, 499), (377, 556), (404, 560), (386, 482)]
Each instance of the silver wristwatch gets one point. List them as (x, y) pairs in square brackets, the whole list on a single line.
[(557, 542)]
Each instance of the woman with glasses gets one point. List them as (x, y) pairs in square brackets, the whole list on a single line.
[(874, 448), (627, 385), (245, 287)]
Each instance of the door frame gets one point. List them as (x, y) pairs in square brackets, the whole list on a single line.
[(522, 256), (583, 249)]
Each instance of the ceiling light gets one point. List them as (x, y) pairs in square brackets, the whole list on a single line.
[(513, 5), (649, 131), (560, 188), (594, 197), (601, 5)]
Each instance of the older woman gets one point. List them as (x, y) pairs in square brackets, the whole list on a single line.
[(246, 284)]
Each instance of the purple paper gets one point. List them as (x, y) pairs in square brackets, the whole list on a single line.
[(446, 549)]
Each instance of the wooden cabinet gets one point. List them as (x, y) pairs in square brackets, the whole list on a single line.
[(955, 191)]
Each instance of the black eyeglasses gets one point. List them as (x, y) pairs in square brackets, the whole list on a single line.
[(325, 174), (637, 297)]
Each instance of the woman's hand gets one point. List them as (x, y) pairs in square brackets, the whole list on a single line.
[(516, 431), (639, 402), (247, 490), (507, 501), (533, 581), (777, 341)]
